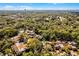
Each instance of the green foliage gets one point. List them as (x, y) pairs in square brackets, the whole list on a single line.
[(20, 25), (9, 32), (46, 54), (7, 51), (34, 44), (30, 53), (58, 26)]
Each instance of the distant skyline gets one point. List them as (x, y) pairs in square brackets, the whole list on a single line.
[(39, 6)]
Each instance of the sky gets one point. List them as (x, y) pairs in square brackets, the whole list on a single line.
[(39, 6)]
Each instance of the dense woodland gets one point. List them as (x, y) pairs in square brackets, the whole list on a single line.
[(50, 34)]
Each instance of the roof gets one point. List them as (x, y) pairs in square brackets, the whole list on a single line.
[(19, 47), (15, 38)]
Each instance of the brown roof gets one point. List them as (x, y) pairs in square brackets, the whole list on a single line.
[(18, 47), (15, 38)]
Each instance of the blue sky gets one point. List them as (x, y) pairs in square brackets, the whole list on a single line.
[(38, 6)]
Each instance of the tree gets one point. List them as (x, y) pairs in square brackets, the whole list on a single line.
[(8, 51), (9, 32), (34, 44)]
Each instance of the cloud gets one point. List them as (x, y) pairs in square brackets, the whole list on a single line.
[(7, 7)]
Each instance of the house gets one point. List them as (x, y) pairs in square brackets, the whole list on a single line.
[(61, 18), (73, 53), (21, 31), (73, 43), (58, 42), (18, 38), (47, 18), (58, 46), (15, 39), (19, 47), (38, 36), (30, 33)]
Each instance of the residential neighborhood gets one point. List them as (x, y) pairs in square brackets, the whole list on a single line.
[(39, 32)]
